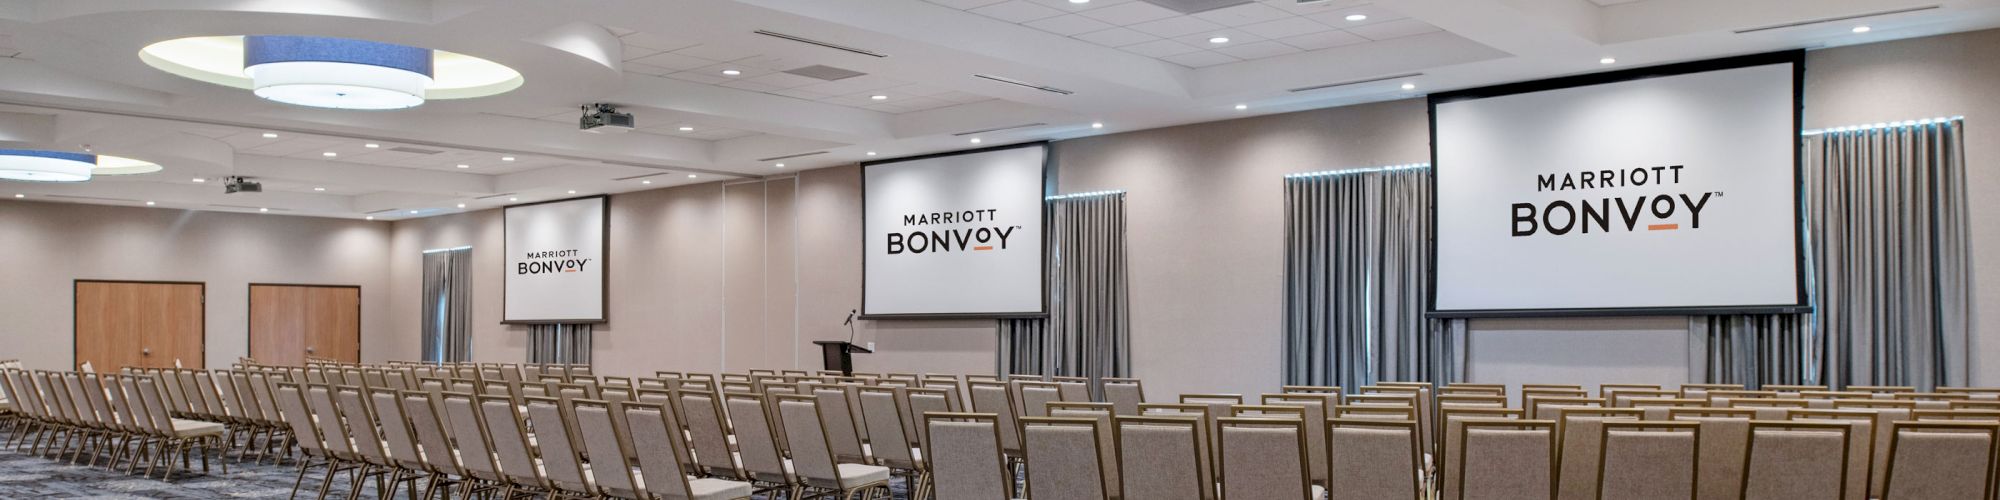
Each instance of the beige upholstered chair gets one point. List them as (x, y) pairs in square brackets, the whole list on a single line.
[(1373, 459), (965, 456), (1700, 391), (1159, 458), (1796, 460), (1315, 408), (1063, 459), (1204, 435), (1074, 388), (708, 435), (1450, 448), (561, 458), (1941, 460), (882, 413), (1580, 431), (1661, 408), (1955, 415), (1648, 460), (437, 455), (1861, 470), (757, 440), (1033, 397), (1264, 457), (1473, 390), (1725, 434), (806, 421), (995, 398), (658, 440), (508, 435), (1504, 459), (1107, 447), (1539, 405), (843, 430), (1768, 408), (1124, 394)]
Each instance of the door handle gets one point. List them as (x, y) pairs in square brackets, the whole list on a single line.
[(309, 350), (146, 351)]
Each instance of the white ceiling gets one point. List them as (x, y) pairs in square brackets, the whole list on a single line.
[(69, 78)]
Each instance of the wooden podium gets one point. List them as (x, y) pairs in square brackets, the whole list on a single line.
[(839, 355)]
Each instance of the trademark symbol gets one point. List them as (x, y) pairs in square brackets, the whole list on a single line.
[(1718, 194)]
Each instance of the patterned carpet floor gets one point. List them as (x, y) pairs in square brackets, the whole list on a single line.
[(25, 476)]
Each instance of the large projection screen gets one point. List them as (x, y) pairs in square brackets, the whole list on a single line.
[(555, 261), (954, 235), (1665, 190)]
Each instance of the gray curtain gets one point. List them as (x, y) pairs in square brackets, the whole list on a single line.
[(447, 304), (1357, 281), (1087, 332), (559, 343), (1752, 349), (1891, 245)]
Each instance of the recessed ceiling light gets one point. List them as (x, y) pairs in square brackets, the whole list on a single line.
[(1607, 60), (1409, 86), (200, 180), (149, 203), (781, 165), (1079, 1), (975, 140), (1219, 39), (319, 189), (1357, 17), (687, 129), (263, 210), (461, 165), (731, 72), (413, 212), (1241, 107), (690, 176), (871, 153), (19, 195), (1862, 29), (268, 135), (1096, 124), (371, 217), (506, 158), (371, 145), (572, 191), (513, 199), (329, 154), (879, 97), (461, 205), (645, 182)]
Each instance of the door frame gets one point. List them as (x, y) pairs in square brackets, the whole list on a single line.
[(76, 289), (250, 337)]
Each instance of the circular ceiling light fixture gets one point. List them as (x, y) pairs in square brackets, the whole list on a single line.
[(325, 72), (45, 166), (119, 165)]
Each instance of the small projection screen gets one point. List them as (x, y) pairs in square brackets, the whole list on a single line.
[(555, 261), (955, 235), (1663, 190)]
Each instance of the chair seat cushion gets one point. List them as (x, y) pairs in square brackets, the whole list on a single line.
[(857, 475), (718, 489), (195, 428)]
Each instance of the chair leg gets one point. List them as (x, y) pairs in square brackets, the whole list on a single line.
[(301, 481)]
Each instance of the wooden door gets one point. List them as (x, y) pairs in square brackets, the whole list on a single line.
[(289, 323), (139, 324)]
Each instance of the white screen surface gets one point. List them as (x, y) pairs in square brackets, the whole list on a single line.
[(1723, 141), (954, 235), (555, 261)]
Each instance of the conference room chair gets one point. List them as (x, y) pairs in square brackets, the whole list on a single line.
[(1204, 434), (1974, 404), (708, 435), (1955, 415), (662, 455), (995, 398), (292, 400), (1379, 412), (1064, 461), (405, 458), (1541, 404), (1473, 390), (1075, 388), (1622, 397), (883, 412), (352, 403), (1770, 408), (1503, 459), (1373, 459), (1975, 393), (474, 444), (920, 401), (1823, 400), (1124, 394), (1310, 389), (806, 419), (1313, 409), (842, 429), (508, 435), (563, 472), (1941, 460), (1107, 446), (606, 443), (1932, 400), (1565, 387), (1791, 390), (1033, 397), (1160, 457), (1264, 456), (1579, 438), (1419, 397), (1725, 435), (1865, 463), (334, 433), (758, 441), (1885, 411), (955, 391), (1648, 460), (1661, 408), (1450, 453), (1797, 460), (1478, 400), (1722, 397)]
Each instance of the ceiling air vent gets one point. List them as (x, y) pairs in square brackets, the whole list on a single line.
[(1193, 6), (1809, 22), (830, 45), (415, 151), (386, 210), (1355, 82), (824, 72), (788, 157), (998, 129), (487, 197), (1011, 81)]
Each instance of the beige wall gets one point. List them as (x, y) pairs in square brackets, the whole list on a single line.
[(47, 246)]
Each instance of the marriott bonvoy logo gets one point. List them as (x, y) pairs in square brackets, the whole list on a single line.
[(551, 261), (1658, 211), (974, 231)]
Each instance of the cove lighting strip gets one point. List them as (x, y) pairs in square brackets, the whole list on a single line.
[(1884, 125), (1084, 195), (1363, 170)]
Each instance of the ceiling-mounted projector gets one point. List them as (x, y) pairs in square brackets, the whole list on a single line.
[(233, 185), (602, 118)]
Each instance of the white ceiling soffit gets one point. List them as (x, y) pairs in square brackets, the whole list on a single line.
[(723, 88)]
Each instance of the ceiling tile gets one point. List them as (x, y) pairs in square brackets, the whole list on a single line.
[(1235, 36), (745, 71), (917, 90), (1338, 17), (1290, 26), (647, 69), (1159, 48), (1073, 6), (1175, 26), (1393, 29), (1295, 7), (784, 80), (749, 85), (698, 77), (716, 52), (656, 42), (1323, 40), (1200, 59), (960, 97), (1257, 50), (966, 4), (1069, 24), (1130, 13), (674, 61), (1116, 37), (629, 52), (802, 94), (1017, 11), (1245, 14)]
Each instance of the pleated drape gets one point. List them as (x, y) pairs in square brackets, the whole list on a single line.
[(1087, 332), (447, 304), (559, 343), (1357, 282), (1752, 349)]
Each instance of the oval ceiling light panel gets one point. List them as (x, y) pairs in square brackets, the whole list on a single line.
[(45, 166), (119, 165), (332, 72)]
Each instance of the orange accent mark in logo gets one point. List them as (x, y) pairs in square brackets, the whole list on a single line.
[(1662, 227), (982, 248)]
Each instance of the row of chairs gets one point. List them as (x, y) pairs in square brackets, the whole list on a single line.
[(114, 417)]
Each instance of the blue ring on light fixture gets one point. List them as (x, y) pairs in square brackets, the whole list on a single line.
[(45, 166), (261, 49)]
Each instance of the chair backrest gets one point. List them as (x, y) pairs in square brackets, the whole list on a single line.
[(1124, 394), (994, 398), (1074, 388), (1158, 458), (509, 437), (1579, 434), (327, 417), (1473, 389), (1316, 407), (1033, 397), (1796, 460), (1204, 435), (1862, 481), (155, 401), (292, 400), (756, 440), (1504, 459), (1648, 460), (604, 441), (1064, 461), (396, 431), (423, 413), (843, 433), (657, 439), (965, 456), (475, 448), (560, 460), (1373, 459), (805, 422), (1263, 458), (1451, 421), (882, 412), (707, 435), (354, 409), (1941, 460)]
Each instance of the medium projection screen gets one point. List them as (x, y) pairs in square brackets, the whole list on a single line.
[(1668, 190), (955, 235), (555, 261)]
